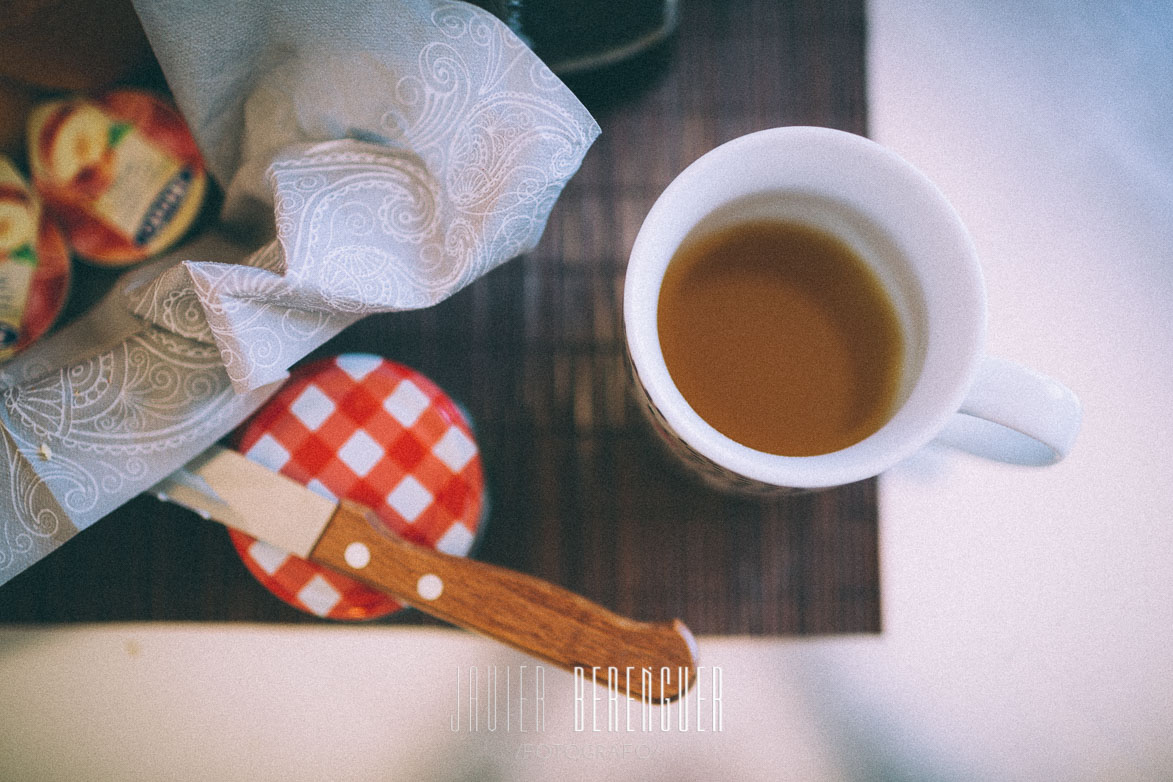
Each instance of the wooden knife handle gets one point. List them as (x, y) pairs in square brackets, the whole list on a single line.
[(535, 616)]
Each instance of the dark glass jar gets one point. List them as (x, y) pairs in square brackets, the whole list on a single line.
[(595, 46)]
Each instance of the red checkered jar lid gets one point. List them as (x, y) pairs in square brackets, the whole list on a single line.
[(362, 428)]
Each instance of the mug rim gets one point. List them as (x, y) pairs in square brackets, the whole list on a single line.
[(896, 196)]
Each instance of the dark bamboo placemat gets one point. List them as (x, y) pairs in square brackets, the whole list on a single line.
[(582, 494)]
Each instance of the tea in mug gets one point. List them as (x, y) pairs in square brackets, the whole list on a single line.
[(781, 337)]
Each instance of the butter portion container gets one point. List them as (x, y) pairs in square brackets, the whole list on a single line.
[(34, 264), (119, 172)]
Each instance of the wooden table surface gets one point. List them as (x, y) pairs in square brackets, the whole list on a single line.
[(581, 492)]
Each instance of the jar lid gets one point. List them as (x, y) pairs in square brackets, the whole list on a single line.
[(34, 265), (120, 172), (363, 428)]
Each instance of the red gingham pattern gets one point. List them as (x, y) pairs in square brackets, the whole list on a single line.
[(363, 428)]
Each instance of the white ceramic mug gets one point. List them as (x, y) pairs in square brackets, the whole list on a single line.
[(905, 230)]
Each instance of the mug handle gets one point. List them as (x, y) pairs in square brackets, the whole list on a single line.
[(1023, 401)]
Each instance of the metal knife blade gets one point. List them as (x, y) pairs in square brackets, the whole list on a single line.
[(222, 485), (542, 619)]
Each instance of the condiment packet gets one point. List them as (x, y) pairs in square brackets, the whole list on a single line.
[(118, 171), (34, 264)]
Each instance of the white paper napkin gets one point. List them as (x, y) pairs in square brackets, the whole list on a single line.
[(393, 152)]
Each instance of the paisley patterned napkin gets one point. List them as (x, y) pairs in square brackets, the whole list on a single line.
[(387, 153)]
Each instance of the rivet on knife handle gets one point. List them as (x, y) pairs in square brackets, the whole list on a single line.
[(534, 616)]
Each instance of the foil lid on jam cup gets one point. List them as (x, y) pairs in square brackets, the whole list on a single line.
[(34, 264), (120, 173), (370, 430)]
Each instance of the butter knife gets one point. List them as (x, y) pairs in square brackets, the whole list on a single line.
[(527, 613)]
